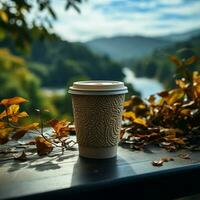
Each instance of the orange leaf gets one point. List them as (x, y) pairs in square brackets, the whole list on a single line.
[(191, 60), (14, 100), (23, 130), (4, 135), (175, 60), (61, 128), (43, 146), (3, 114), (2, 124), (163, 94)]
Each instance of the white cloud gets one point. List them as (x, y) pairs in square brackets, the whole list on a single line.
[(93, 22)]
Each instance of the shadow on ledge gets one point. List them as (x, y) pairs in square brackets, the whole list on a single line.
[(89, 171)]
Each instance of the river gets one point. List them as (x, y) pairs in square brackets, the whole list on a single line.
[(145, 86)]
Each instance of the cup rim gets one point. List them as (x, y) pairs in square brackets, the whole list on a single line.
[(98, 85)]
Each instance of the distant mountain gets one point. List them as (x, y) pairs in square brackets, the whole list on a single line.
[(178, 37), (122, 48)]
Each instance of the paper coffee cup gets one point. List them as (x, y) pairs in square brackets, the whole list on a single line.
[(97, 108)]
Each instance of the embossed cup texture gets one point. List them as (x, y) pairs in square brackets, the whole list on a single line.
[(97, 119)]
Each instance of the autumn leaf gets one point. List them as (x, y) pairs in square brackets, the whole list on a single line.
[(127, 103), (3, 16), (43, 146), (182, 84), (174, 95), (157, 163), (3, 114), (129, 115), (14, 114), (14, 100), (61, 128), (140, 121), (191, 60), (184, 156), (3, 124), (4, 135), (167, 159), (21, 156), (23, 130), (151, 99), (175, 60)]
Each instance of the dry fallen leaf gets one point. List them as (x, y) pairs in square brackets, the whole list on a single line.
[(167, 159), (184, 156), (43, 146), (157, 163), (21, 156)]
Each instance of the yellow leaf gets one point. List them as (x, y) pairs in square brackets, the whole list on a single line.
[(44, 147), (174, 95), (4, 16), (129, 115), (22, 114), (182, 84), (14, 100), (4, 135), (127, 103), (13, 109), (140, 121)]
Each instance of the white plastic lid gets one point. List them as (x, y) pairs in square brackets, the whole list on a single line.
[(99, 87)]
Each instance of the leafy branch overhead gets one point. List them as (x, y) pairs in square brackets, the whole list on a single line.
[(12, 129), (24, 19), (169, 118)]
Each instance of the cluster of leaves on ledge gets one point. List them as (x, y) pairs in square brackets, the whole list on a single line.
[(12, 129), (171, 118)]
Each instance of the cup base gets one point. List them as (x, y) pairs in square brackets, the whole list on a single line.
[(98, 153)]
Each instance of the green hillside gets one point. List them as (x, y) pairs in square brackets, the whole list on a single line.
[(55, 62)]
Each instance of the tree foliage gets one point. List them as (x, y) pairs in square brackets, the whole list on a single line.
[(22, 20)]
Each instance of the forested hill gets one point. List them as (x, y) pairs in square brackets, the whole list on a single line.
[(158, 64), (57, 63)]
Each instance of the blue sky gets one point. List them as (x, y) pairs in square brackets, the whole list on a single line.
[(106, 18)]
